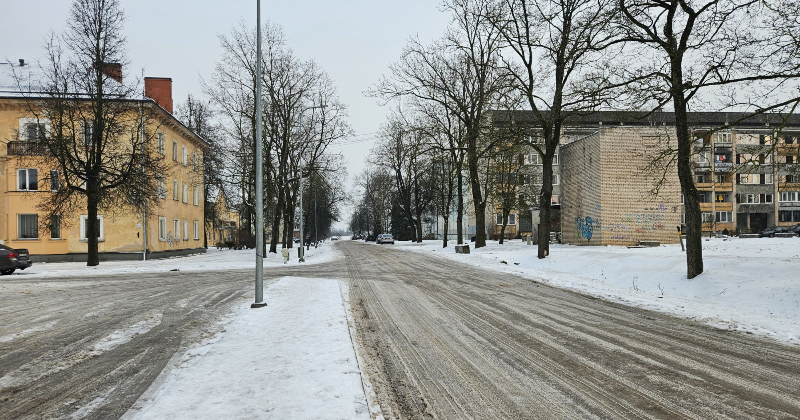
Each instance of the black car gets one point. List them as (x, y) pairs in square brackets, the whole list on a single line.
[(12, 259), (770, 232), (795, 229)]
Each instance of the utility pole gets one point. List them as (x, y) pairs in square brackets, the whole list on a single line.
[(259, 303)]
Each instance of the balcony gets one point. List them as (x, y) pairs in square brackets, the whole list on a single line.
[(723, 167), (788, 149), (27, 148)]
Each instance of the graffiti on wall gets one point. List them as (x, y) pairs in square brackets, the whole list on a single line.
[(586, 227)]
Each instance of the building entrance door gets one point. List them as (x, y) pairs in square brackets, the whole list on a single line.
[(758, 221)]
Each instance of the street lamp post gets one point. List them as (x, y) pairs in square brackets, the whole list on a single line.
[(301, 251), (259, 301)]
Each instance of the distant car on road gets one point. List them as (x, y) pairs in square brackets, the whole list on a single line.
[(385, 239), (770, 232), (12, 259), (369, 238), (334, 238)]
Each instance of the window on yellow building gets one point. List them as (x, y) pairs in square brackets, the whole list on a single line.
[(55, 180), (85, 228), (27, 180), (175, 189), (27, 226), (162, 228), (161, 142), (55, 226), (174, 150), (196, 230), (183, 155), (196, 196), (176, 229), (185, 230), (185, 193)]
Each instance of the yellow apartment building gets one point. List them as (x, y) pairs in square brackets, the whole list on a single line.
[(28, 174)]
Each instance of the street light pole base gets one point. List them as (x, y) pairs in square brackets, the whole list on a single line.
[(258, 305)]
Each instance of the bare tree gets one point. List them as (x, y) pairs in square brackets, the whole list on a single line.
[(552, 45), (198, 116), (690, 51), (101, 139), (461, 73)]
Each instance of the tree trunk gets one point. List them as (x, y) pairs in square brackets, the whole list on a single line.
[(92, 228), (694, 244), (460, 216), (478, 203), (446, 226), (418, 227)]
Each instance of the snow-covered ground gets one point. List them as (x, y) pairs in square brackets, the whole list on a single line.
[(292, 359), (749, 285), (214, 259)]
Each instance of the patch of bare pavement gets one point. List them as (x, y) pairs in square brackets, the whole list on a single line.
[(444, 341), (87, 348)]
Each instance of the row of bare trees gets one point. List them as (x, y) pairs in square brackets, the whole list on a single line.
[(559, 59), (302, 116)]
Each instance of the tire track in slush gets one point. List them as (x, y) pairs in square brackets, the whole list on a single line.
[(478, 344)]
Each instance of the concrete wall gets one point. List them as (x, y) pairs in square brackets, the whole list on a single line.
[(607, 197), (581, 205)]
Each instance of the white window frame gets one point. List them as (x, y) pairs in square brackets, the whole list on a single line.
[(183, 155), (768, 179), (555, 199), (702, 157), (23, 130), (161, 143), (768, 198), (700, 179), (176, 229), (175, 191), (706, 217), (185, 191), (19, 224), (533, 159), (512, 219), (84, 218), (162, 228), (196, 230), (162, 187), (751, 199), (556, 179), (196, 198), (175, 150), (728, 216), (27, 178), (555, 159), (185, 230)]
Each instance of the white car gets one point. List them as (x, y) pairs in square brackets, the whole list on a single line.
[(385, 239)]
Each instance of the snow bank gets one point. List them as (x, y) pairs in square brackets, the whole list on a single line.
[(214, 259), (290, 360), (749, 285)]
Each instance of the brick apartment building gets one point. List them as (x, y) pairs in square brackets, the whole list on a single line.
[(747, 176)]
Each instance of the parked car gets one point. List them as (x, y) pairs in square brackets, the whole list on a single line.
[(795, 229), (369, 238), (770, 232), (12, 259), (385, 239)]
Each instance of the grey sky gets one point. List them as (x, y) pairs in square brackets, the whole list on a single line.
[(354, 41)]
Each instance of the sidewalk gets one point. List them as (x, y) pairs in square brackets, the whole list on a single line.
[(290, 360)]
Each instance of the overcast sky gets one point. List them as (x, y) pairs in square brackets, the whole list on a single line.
[(353, 40)]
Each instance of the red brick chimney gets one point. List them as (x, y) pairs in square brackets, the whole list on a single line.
[(160, 90)]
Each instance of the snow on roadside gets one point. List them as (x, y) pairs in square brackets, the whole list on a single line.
[(749, 285), (120, 337), (214, 259), (291, 359)]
